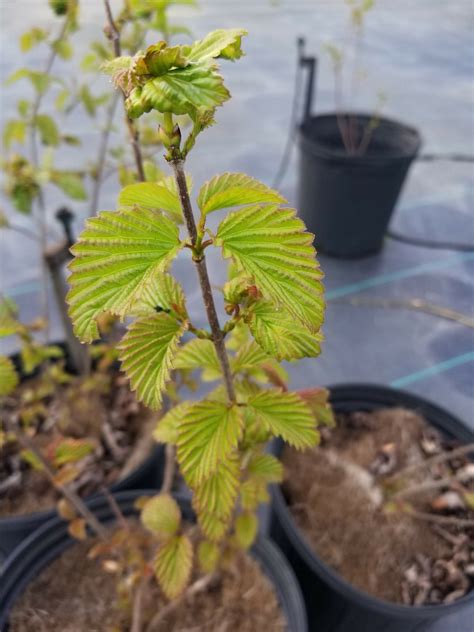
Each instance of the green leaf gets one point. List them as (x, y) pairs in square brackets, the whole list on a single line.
[(61, 100), (214, 500), (9, 324), (147, 352), (277, 332), (116, 256), (208, 435), (253, 492), (173, 565), (40, 80), (208, 555), (14, 132), (162, 516), (152, 195), (87, 100), (72, 450), (285, 415), (63, 48), (48, 130), (8, 376), (266, 467), (32, 38), (160, 58), (270, 244), (200, 354), (235, 189), (223, 43), (246, 529), (162, 293), (167, 428), (180, 91), (70, 183)]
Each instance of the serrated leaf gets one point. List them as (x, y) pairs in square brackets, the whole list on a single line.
[(285, 415), (200, 354), (208, 435), (162, 516), (48, 130), (14, 132), (8, 376), (162, 293), (253, 492), (218, 493), (208, 556), (277, 332), (152, 195), (167, 428), (235, 189), (173, 565), (265, 467), (116, 255), (147, 352), (270, 244), (246, 529), (223, 43), (180, 91), (70, 183), (160, 58)]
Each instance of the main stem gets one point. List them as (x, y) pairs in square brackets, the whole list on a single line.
[(200, 263)]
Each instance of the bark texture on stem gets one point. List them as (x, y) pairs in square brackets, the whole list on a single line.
[(200, 263)]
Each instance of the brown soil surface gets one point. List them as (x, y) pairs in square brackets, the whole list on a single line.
[(74, 594), (103, 409), (335, 493)]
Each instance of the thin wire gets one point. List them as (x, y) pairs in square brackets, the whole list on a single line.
[(429, 243)]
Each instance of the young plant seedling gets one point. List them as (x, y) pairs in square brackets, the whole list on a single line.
[(273, 299)]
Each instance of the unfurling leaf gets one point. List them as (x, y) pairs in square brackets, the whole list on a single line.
[(235, 189), (246, 528), (116, 255), (208, 435), (200, 354), (318, 400), (270, 244), (208, 555), (285, 415), (222, 43), (78, 529), (154, 196), (33, 461), (173, 565), (180, 91), (277, 332), (147, 352), (8, 376), (162, 516)]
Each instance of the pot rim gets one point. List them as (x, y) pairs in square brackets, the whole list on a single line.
[(436, 416), (51, 539), (320, 150)]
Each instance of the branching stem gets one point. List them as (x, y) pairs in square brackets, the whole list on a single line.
[(200, 263)]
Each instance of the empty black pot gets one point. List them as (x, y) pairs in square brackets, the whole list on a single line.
[(334, 605), (52, 539), (347, 200)]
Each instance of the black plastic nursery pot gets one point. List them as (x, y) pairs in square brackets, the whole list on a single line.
[(334, 605), (52, 539), (14, 529), (347, 200)]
